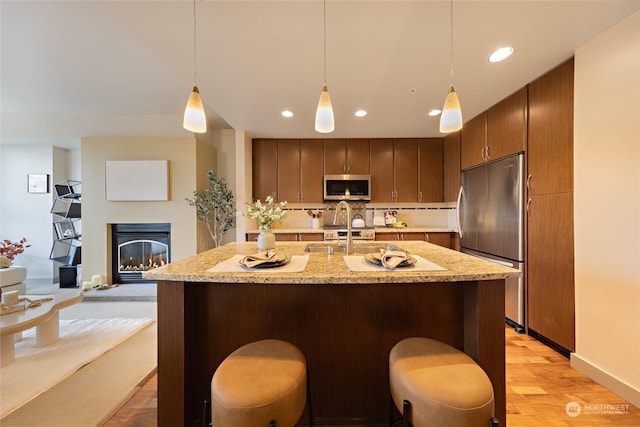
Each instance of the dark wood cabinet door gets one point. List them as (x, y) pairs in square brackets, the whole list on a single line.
[(288, 170), (550, 140), (473, 141), (451, 160), (431, 170), (405, 170), (311, 170), (550, 273), (412, 235), (357, 159), (311, 237), (265, 171), (286, 237), (441, 239), (382, 170), (335, 156), (507, 126)]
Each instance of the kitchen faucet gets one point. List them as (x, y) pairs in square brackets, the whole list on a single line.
[(349, 248)]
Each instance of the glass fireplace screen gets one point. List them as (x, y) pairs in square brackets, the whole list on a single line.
[(141, 255)]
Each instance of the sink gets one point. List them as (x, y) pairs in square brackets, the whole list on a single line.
[(363, 248)]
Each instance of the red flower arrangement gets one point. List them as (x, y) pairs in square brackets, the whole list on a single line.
[(11, 249)]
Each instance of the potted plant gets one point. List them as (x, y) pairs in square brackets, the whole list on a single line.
[(215, 207), (267, 214), (9, 250)]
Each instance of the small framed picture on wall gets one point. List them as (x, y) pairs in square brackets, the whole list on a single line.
[(38, 183)]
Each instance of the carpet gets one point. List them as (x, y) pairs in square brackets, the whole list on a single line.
[(37, 369)]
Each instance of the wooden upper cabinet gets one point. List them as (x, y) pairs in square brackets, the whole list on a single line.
[(358, 156), (346, 156), (498, 132), (394, 170), (405, 170), (382, 170), (311, 170), (430, 170), (550, 141), (507, 126), (335, 156), (473, 141), (451, 162), (264, 161), (288, 166), (300, 170)]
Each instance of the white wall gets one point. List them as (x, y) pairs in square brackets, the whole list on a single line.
[(24, 214), (184, 177), (607, 209)]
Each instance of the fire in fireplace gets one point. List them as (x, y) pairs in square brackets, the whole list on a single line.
[(137, 248)]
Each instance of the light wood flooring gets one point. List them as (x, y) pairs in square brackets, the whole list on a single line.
[(540, 385)]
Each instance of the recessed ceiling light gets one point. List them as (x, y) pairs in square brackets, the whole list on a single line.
[(501, 54), (435, 112), (287, 113), (361, 113)]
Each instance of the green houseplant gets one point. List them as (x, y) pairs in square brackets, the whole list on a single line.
[(215, 207)]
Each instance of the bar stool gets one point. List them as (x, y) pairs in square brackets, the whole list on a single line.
[(261, 384), (434, 384)]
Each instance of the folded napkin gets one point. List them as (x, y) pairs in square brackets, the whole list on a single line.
[(260, 258), (391, 259)]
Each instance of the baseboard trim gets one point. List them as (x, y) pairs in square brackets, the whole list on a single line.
[(616, 385)]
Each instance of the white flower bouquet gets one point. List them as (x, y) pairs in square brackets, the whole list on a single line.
[(268, 213)]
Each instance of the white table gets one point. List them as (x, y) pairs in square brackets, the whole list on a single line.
[(45, 318)]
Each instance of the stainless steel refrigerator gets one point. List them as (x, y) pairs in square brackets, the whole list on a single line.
[(491, 223)]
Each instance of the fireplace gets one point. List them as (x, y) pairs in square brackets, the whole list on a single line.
[(136, 248)]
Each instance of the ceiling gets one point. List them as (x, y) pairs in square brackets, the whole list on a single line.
[(97, 68)]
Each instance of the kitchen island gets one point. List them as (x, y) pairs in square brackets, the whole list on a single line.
[(344, 322)]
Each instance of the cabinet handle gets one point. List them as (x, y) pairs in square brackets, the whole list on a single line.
[(420, 196), (528, 204), (529, 183), (482, 154), (487, 148), (426, 237), (301, 196)]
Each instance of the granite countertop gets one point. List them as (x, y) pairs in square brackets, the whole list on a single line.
[(331, 269), (378, 229)]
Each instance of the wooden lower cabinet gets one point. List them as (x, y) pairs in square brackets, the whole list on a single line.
[(310, 237), (441, 239), (290, 237), (550, 272)]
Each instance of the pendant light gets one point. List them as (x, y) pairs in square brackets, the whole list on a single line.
[(324, 114), (451, 118), (194, 117)]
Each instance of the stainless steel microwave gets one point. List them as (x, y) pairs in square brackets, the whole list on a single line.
[(347, 187)]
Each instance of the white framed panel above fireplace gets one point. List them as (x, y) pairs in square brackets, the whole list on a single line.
[(137, 180)]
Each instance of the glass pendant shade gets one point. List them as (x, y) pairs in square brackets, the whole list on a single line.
[(324, 113), (194, 117), (451, 118)]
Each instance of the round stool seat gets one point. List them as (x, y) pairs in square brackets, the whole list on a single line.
[(258, 383), (444, 386)]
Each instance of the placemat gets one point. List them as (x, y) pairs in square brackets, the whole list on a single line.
[(357, 263), (232, 265)]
